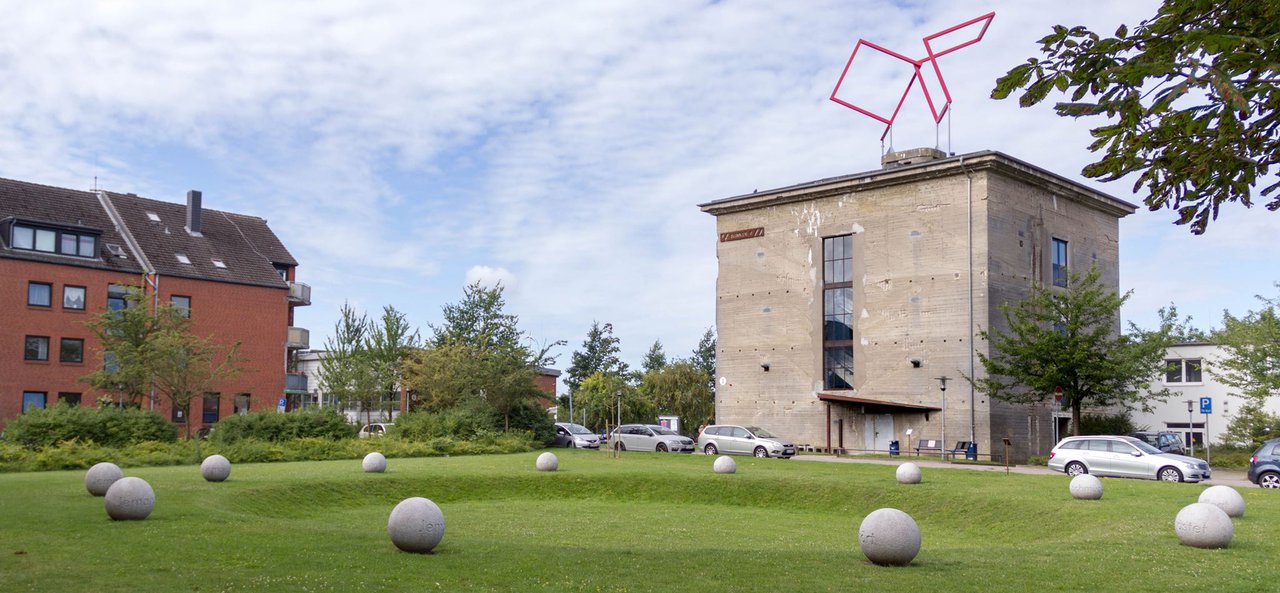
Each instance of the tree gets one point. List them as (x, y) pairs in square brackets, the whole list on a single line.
[(654, 359), (1181, 329), (479, 320), (348, 372), (477, 353), (1251, 357), (1069, 339), (444, 377), (389, 344), (125, 335), (681, 389), (1190, 95), (184, 365), (704, 356), (599, 396), (150, 343), (1251, 425), (599, 354)]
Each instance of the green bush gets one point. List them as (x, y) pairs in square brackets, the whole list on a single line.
[(475, 423), (83, 454), (110, 426), (1227, 457), (1106, 424), (533, 418), (460, 423), (323, 423)]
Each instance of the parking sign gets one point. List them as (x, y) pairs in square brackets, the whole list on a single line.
[(1206, 405)]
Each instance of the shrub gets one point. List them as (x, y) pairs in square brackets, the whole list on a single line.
[(476, 423), (531, 417), (459, 423), (111, 426), (323, 423), (1106, 424)]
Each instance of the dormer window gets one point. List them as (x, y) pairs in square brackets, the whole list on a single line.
[(152, 216), (217, 263), (74, 242), (182, 258)]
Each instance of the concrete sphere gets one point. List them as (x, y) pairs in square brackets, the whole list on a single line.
[(889, 537), (725, 465), (1225, 498), (547, 462), (416, 525), (100, 477), (375, 463), (1202, 525), (909, 473), (130, 499), (215, 468), (1086, 487)]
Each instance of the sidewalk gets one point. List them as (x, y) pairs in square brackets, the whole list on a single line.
[(1227, 477)]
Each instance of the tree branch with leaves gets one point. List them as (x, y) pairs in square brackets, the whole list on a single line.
[(1190, 95), (1070, 339)]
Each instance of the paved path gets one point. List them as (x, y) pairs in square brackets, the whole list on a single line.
[(1228, 477)]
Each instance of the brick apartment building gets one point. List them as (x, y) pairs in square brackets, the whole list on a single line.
[(66, 255), (840, 302)]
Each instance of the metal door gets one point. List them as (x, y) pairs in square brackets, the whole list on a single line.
[(879, 431)]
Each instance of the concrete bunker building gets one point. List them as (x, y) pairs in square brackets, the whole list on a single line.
[(840, 302)]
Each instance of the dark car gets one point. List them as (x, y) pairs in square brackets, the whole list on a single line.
[(1264, 466), (1169, 442)]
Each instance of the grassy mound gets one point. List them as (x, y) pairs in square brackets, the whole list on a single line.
[(644, 522)]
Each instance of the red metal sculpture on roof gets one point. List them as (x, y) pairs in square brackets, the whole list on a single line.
[(931, 59)]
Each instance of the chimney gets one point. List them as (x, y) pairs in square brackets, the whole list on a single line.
[(912, 156), (193, 213)]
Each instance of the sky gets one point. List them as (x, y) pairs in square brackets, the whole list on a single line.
[(403, 149)]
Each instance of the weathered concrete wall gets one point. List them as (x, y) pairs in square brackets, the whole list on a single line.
[(918, 279), (911, 263)]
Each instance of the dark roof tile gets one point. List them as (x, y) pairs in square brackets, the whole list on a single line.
[(58, 206), (244, 243)]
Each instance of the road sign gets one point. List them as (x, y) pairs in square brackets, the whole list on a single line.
[(1057, 394), (280, 405), (1206, 405)]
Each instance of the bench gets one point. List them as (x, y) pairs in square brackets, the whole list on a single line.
[(961, 448), (928, 445)]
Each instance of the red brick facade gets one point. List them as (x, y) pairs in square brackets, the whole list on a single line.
[(233, 269), (255, 316)]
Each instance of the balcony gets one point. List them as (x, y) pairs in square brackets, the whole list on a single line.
[(295, 383), (299, 339), (299, 294)]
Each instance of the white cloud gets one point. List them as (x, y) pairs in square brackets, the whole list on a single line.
[(393, 144), (489, 277)]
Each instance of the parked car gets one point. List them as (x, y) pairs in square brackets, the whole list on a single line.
[(376, 429), (744, 440), (1264, 466), (569, 434), (1124, 457), (1169, 442), (649, 437)]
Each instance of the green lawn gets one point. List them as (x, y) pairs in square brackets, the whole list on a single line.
[(644, 522)]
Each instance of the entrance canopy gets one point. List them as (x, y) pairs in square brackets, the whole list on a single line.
[(876, 406)]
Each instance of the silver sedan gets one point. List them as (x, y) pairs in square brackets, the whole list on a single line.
[(1124, 457)]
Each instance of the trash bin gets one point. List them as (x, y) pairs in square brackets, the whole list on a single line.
[(893, 448), (971, 452)]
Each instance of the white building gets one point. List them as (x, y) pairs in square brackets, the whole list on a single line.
[(1192, 377), (310, 365)]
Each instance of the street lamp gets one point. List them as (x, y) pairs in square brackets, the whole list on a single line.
[(943, 385), (1191, 432)]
